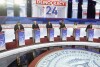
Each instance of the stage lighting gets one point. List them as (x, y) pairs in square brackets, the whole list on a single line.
[(2, 2), (18, 2)]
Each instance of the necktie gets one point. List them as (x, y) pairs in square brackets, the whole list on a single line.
[(19, 27)]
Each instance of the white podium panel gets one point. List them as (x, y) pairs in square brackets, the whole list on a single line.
[(90, 34), (50, 34), (36, 35), (63, 34), (82, 32), (69, 32)]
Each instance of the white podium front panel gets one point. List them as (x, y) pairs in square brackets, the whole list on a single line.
[(96, 33), (69, 32), (82, 32), (58, 32), (43, 32)]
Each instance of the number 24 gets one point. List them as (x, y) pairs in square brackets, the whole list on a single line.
[(50, 11)]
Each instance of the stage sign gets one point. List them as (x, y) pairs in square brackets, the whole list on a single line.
[(51, 2), (63, 34), (21, 38), (50, 9), (2, 41), (90, 34), (51, 34), (37, 35), (77, 34)]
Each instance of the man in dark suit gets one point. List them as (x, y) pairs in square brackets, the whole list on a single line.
[(74, 28), (35, 25), (62, 25), (88, 27), (18, 26), (0, 28), (49, 25)]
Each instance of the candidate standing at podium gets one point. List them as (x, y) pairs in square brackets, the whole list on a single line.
[(62, 25), (35, 25), (18, 26), (75, 25), (0, 28), (74, 28), (48, 26), (88, 27)]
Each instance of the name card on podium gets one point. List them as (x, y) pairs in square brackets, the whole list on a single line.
[(90, 34), (77, 34), (21, 38), (51, 34), (63, 33), (36, 35), (2, 41)]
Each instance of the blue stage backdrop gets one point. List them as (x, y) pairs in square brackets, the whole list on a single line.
[(28, 20)]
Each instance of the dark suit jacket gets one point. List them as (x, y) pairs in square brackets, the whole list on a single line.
[(62, 25), (48, 26), (17, 28), (35, 26), (0, 28), (88, 27)]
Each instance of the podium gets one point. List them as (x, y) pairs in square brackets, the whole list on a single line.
[(90, 34), (20, 37), (50, 34), (36, 35), (2, 41), (77, 34), (63, 34)]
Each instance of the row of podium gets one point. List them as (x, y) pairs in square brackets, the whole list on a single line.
[(20, 36)]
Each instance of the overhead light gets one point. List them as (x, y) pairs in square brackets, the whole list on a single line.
[(2, 2), (18, 2)]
